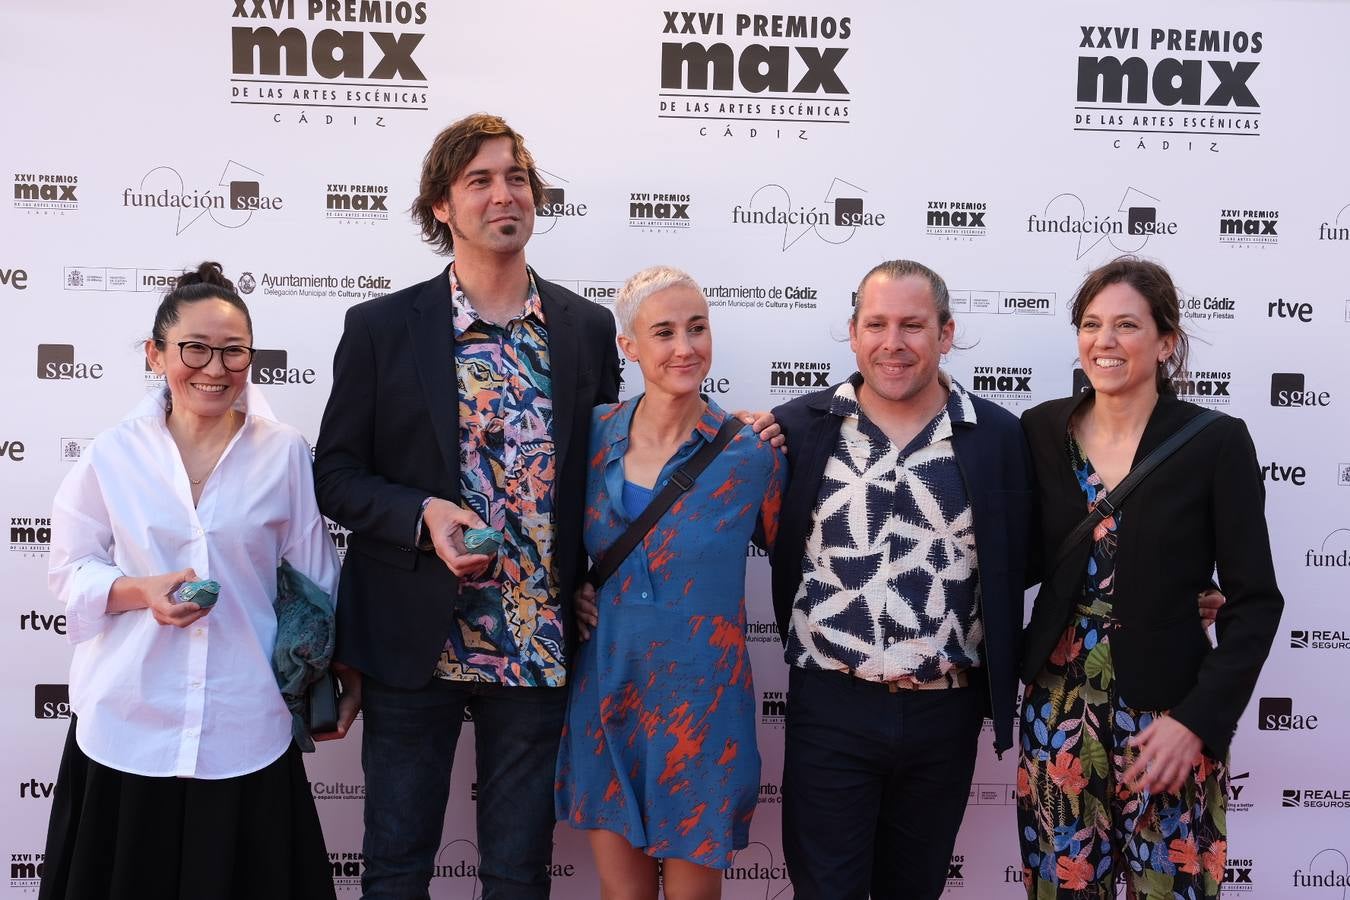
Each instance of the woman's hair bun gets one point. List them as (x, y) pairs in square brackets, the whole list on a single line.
[(207, 273)]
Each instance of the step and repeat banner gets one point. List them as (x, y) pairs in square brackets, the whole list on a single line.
[(776, 152)]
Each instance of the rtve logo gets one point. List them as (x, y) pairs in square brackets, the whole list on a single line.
[(1279, 308), (16, 278)]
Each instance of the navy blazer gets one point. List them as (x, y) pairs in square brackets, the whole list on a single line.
[(1204, 506), (390, 438), (996, 468)]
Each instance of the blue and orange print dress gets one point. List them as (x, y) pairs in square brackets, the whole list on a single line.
[(659, 744)]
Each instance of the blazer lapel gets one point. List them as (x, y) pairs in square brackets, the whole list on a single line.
[(430, 330), (563, 361), (1168, 415)]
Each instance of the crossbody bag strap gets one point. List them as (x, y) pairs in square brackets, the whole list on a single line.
[(1110, 504), (681, 480)]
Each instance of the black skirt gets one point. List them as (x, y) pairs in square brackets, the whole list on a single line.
[(115, 836)]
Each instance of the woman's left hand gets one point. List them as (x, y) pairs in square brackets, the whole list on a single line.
[(1168, 752), (349, 703), (765, 426)]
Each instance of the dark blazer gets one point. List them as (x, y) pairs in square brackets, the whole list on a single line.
[(1204, 506), (390, 438), (996, 467)]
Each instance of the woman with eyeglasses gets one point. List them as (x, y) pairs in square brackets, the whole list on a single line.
[(182, 774)]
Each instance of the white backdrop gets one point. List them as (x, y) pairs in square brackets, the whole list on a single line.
[(786, 151)]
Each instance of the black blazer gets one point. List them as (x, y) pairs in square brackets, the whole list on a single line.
[(1204, 506), (996, 468), (390, 438)]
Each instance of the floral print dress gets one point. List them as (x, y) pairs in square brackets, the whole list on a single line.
[(1081, 829)]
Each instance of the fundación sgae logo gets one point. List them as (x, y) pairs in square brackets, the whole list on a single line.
[(834, 220), (231, 201)]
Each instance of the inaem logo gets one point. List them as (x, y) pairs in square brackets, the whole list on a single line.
[(56, 362), (1277, 714)]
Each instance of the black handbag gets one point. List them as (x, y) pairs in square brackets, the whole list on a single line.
[(321, 704)]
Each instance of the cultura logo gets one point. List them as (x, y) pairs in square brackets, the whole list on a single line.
[(357, 202), (113, 278), (754, 68), (347, 59), (231, 202), (46, 193), (1289, 389), (272, 367), (1248, 227), (1328, 556), (1167, 81), (835, 220), (1277, 714), (56, 362)]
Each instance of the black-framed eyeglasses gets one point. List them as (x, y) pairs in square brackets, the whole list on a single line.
[(196, 355)]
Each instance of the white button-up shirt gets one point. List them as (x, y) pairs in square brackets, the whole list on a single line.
[(201, 701)]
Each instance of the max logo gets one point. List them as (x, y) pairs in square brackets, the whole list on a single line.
[(335, 54), (759, 68)]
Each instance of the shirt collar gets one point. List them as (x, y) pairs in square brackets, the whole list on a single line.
[(251, 402), (464, 315), (705, 428), (960, 407)]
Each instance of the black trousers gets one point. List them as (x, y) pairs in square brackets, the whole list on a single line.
[(874, 785)]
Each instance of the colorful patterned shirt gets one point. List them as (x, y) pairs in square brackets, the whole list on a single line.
[(508, 628), (890, 585)]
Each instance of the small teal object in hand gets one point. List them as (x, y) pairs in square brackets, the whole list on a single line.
[(203, 593), (482, 540)]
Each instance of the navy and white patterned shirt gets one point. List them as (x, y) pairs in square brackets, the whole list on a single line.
[(890, 584)]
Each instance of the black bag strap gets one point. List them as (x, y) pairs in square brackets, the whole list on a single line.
[(1110, 504), (681, 480)]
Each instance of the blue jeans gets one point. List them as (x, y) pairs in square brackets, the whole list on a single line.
[(407, 749), (874, 785)]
